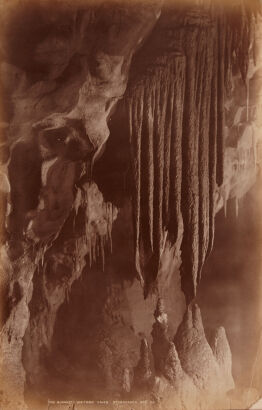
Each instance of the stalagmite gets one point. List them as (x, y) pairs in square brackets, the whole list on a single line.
[(160, 337), (143, 372), (172, 369), (59, 113), (221, 349)]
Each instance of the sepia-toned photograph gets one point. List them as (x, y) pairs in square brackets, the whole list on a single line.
[(130, 204)]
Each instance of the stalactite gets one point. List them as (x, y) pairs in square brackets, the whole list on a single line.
[(135, 134), (254, 45), (168, 133), (245, 36), (190, 188), (213, 148), (150, 167), (203, 167), (228, 61), (158, 151), (221, 100), (247, 100), (240, 21), (147, 174), (172, 178), (175, 171), (97, 232), (158, 141), (201, 96), (160, 103)]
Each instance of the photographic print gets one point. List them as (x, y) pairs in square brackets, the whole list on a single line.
[(130, 204)]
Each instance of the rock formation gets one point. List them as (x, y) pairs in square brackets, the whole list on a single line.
[(177, 148), (160, 336), (222, 353), (188, 372), (143, 372), (124, 129)]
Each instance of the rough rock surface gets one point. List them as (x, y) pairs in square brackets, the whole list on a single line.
[(63, 88), (143, 372), (189, 373), (196, 355), (16, 316), (185, 390), (64, 73), (160, 336), (222, 353)]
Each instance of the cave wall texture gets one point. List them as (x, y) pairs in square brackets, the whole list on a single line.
[(125, 128)]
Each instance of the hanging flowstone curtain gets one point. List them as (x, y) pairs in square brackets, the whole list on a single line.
[(176, 117), (155, 114)]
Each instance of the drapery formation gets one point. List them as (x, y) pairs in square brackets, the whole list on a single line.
[(155, 113), (176, 119)]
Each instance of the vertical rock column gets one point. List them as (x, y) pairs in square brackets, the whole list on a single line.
[(155, 114)]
